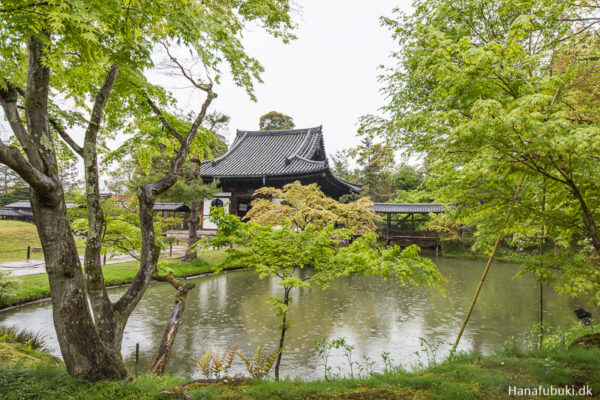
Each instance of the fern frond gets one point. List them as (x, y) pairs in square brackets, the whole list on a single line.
[(248, 363), (229, 356), (217, 363), (205, 363)]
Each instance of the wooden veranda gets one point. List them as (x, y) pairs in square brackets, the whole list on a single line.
[(403, 222)]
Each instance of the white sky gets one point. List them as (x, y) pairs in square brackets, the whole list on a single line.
[(328, 76)]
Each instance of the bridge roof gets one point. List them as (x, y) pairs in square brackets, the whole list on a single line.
[(178, 207), (408, 208)]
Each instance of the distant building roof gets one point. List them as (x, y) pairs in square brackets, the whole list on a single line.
[(19, 204), (23, 207), (274, 153), (179, 207), (26, 205), (407, 208), (9, 212)]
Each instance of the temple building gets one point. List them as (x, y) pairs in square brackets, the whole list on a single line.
[(269, 158)]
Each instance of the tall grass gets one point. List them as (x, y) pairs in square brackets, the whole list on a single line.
[(34, 340)]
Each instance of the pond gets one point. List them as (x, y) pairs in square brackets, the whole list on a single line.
[(374, 315)]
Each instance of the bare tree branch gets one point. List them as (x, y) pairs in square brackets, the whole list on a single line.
[(99, 300), (65, 136), (147, 193), (164, 121), (187, 73), (8, 99), (100, 102), (14, 159), (171, 177)]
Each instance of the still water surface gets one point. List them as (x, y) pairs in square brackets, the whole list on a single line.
[(374, 315)]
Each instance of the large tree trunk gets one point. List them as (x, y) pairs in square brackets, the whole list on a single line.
[(82, 348), (83, 351), (191, 252), (90, 346)]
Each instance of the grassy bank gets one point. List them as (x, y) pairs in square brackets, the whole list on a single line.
[(502, 255), (506, 253), (28, 374), (15, 236), (35, 287)]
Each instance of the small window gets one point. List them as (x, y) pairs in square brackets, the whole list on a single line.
[(217, 203)]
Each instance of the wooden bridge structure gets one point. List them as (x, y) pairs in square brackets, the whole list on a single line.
[(401, 223)]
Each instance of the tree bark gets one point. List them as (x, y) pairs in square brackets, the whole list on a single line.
[(83, 351), (164, 350), (90, 346), (286, 301), (191, 252), (101, 305)]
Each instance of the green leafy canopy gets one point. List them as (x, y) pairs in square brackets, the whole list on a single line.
[(85, 38), (490, 91)]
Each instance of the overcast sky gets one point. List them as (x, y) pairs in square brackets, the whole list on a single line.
[(328, 76)]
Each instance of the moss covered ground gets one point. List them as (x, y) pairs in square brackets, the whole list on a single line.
[(26, 373)]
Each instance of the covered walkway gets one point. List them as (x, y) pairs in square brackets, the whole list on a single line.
[(403, 223)]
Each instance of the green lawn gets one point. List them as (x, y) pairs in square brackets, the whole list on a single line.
[(15, 236), (28, 374), (34, 287)]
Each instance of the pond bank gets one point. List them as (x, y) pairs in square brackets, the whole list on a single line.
[(31, 374), (374, 315), (35, 288)]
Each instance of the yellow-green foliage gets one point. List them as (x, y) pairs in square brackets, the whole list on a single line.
[(215, 363), (205, 362), (259, 365), (301, 205)]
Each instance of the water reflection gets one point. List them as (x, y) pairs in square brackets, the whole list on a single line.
[(375, 315)]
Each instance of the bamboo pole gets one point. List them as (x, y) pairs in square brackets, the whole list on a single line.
[(541, 251), (487, 266)]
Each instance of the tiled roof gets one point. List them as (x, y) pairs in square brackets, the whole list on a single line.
[(24, 207), (19, 204), (269, 153), (25, 204), (9, 212), (407, 208), (170, 207)]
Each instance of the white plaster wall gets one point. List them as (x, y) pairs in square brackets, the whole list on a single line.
[(207, 223)]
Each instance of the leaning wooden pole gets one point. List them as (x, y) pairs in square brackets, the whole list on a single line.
[(487, 266), (541, 251), (164, 350)]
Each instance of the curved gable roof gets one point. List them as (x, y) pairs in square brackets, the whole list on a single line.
[(263, 153)]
